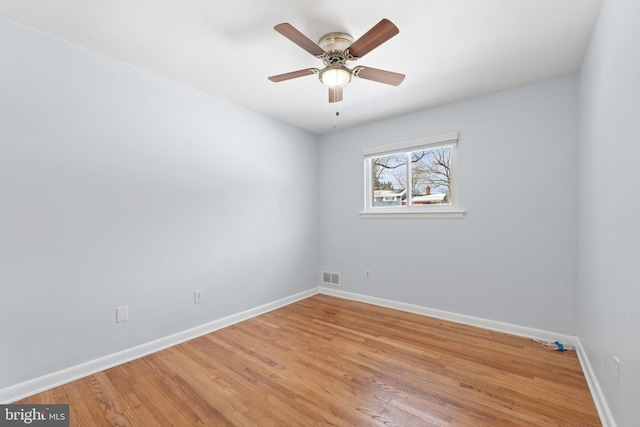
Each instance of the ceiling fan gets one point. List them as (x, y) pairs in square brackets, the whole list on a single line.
[(336, 50)]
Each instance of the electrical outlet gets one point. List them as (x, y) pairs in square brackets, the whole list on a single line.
[(197, 297), (616, 368), (122, 314), (367, 275)]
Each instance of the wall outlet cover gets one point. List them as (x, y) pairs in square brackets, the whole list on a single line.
[(197, 297), (122, 314)]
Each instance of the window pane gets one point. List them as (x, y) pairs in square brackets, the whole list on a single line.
[(431, 177), (389, 180)]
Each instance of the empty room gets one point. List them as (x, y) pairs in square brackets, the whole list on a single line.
[(357, 213)]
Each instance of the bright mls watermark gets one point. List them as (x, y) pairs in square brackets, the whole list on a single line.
[(34, 415)]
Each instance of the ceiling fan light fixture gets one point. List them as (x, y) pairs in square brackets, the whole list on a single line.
[(335, 50), (335, 77)]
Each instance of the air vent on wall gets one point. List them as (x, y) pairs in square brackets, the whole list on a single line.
[(331, 278)]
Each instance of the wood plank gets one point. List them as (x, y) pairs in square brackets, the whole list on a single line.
[(330, 361)]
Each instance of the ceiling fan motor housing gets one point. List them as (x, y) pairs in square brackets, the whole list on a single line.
[(335, 42), (335, 45)]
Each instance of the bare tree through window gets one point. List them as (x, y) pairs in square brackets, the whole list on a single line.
[(429, 175)]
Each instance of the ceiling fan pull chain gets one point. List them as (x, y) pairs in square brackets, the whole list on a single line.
[(335, 119)]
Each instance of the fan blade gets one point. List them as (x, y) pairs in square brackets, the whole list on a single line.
[(380, 33), (335, 94), (298, 38), (381, 76), (293, 75)]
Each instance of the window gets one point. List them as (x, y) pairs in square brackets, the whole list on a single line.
[(412, 179)]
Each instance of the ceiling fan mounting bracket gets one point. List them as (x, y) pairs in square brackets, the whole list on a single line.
[(335, 41), (335, 47)]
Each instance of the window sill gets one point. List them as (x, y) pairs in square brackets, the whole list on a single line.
[(440, 214)]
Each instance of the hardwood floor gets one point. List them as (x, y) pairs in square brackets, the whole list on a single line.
[(325, 361)]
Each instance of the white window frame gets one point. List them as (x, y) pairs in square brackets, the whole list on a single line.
[(451, 210)]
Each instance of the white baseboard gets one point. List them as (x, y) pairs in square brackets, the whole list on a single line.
[(606, 418), (493, 325), (55, 379)]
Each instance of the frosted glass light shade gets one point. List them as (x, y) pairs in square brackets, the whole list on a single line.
[(335, 77)]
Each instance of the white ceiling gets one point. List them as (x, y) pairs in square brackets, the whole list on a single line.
[(448, 49)]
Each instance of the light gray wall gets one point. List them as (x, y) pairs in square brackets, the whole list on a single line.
[(609, 232), (513, 257), (118, 187)]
